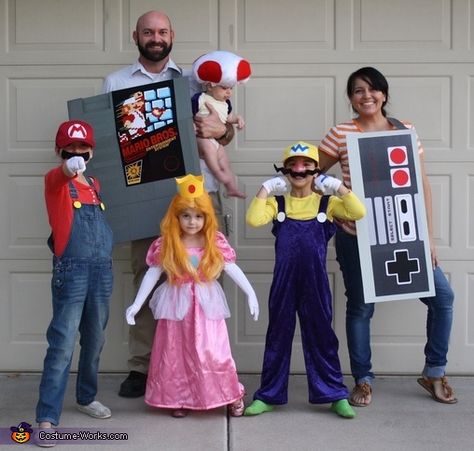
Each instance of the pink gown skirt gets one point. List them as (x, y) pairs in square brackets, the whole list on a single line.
[(191, 365)]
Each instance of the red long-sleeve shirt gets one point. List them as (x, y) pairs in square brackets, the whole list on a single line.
[(59, 204)]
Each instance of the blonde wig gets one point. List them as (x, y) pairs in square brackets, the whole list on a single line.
[(173, 256)]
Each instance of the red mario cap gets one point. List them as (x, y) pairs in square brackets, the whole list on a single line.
[(74, 131)]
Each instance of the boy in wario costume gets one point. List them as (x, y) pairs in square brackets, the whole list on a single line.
[(302, 224)]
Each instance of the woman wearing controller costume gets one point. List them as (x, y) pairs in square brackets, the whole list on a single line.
[(367, 90)]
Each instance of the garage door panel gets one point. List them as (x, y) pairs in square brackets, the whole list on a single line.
[(50, 31), (442, 210), (470, 213), (293, 109), (25, 285), (77, 25), (469, 340), (23, 227), (426, 101), (388, 24), (115, 354), (37, 104), (452, 208), (470, 113), (306, 25), (29, 316)]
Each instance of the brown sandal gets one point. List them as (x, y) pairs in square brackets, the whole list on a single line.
[(179, 413), (439, 389), (363, 390), (236, 409)]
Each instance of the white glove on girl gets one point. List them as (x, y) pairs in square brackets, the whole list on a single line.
[(236, 274), (149, 281), (275, 186), (76, 165), (327, 184)]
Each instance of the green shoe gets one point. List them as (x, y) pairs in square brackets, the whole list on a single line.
[(257, 407), (343, 408)]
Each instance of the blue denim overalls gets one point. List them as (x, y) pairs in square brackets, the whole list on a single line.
[(81, 287), (300, 285)]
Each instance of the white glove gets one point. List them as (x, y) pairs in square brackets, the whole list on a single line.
[(275, 186), (150, 279), (236, 274), (327, 184), (76, 165)]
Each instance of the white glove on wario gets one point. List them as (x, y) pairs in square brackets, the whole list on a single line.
[(76, 165), (327, 184), (275, 186), (221, 68), (236, 274), (149, 281)]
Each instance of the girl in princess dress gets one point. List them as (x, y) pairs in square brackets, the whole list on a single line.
[(191, 366)]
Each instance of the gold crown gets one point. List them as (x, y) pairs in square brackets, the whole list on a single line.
[(190, 186)]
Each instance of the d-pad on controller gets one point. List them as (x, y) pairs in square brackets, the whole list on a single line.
[(402, 266)]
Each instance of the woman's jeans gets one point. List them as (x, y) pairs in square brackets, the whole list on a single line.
[(359, 314)]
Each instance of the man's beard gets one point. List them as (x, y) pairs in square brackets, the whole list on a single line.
[(157, 54)]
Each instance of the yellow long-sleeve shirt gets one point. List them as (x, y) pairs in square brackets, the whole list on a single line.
[(347, 207)]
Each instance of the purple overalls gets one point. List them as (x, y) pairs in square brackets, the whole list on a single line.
[(300, 285)]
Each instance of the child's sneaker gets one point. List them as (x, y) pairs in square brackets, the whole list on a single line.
[(40, 440), (95, 409)]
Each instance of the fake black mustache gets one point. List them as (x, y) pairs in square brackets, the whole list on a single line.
[(65, 155), (286, 171)]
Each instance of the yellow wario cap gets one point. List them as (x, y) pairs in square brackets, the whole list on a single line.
[(190, 186), (301, 149)]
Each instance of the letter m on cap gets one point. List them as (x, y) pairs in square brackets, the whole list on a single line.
[(77, 131)]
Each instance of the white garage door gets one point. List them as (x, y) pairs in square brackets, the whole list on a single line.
[(302, 52)]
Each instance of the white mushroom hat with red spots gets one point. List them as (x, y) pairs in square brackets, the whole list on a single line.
[(221, 68)]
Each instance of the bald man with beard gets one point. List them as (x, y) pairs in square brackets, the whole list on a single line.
[(154, 38)]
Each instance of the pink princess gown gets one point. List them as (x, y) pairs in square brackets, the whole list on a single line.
[(191, 365)]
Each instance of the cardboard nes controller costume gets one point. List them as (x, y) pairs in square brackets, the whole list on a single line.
[(393, 238)]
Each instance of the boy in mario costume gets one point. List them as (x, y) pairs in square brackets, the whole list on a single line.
[(302, 224), (81, 242)]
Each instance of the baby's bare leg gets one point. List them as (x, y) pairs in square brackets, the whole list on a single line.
[(224, 164), (218, 163)]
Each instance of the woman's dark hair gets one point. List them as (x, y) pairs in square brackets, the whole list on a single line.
[(371, 76)]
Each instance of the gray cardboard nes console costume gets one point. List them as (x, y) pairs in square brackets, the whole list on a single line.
[(145, 138), (393, 237)]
